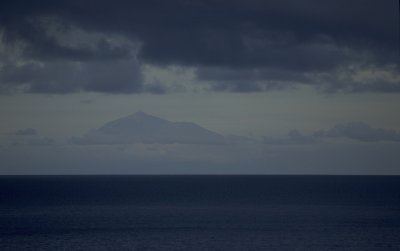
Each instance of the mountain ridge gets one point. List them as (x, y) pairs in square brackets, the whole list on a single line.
[(141, 127)]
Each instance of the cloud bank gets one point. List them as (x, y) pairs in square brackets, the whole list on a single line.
[(27, 131), (241, 46), (359, 131), (25, 137), (144, 144)]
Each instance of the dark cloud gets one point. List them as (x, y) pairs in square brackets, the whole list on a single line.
[(120, 76), (294, 137), (25, 137), (27, 131), (299, 138), (182, 31), (250, 80), (359, 131), (312, 42)]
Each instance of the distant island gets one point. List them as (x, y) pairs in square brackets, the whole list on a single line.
[(141, 127)]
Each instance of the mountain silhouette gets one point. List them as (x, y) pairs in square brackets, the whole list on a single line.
[(144, 128)]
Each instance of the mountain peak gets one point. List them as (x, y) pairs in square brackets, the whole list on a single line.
[(140, 113), (143, 117), (144, 128)]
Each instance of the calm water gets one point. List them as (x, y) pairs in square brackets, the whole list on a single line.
[(199, 213)]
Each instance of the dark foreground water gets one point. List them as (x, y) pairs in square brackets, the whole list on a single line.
[(199, 213)]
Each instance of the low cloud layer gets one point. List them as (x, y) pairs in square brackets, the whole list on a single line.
[(24, 132), (343, 158), (359, 131), (129, 146), (25, 137), (294, 137), (241, 46)]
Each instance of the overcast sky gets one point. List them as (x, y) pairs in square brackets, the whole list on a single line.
[(311, 87)]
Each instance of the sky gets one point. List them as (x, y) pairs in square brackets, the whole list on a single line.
[(295, 87)]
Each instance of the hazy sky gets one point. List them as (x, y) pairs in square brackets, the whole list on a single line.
[(312, 86)]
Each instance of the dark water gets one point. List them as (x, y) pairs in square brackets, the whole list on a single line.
[(200, 213)]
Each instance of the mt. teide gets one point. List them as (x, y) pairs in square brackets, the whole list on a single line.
[(144, 128)]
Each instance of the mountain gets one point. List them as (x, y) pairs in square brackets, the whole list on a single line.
[(144, 128)]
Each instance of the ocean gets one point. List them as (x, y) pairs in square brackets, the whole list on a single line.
[(184, 212)]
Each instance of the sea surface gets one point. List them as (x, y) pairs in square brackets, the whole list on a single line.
[(199, 213)]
